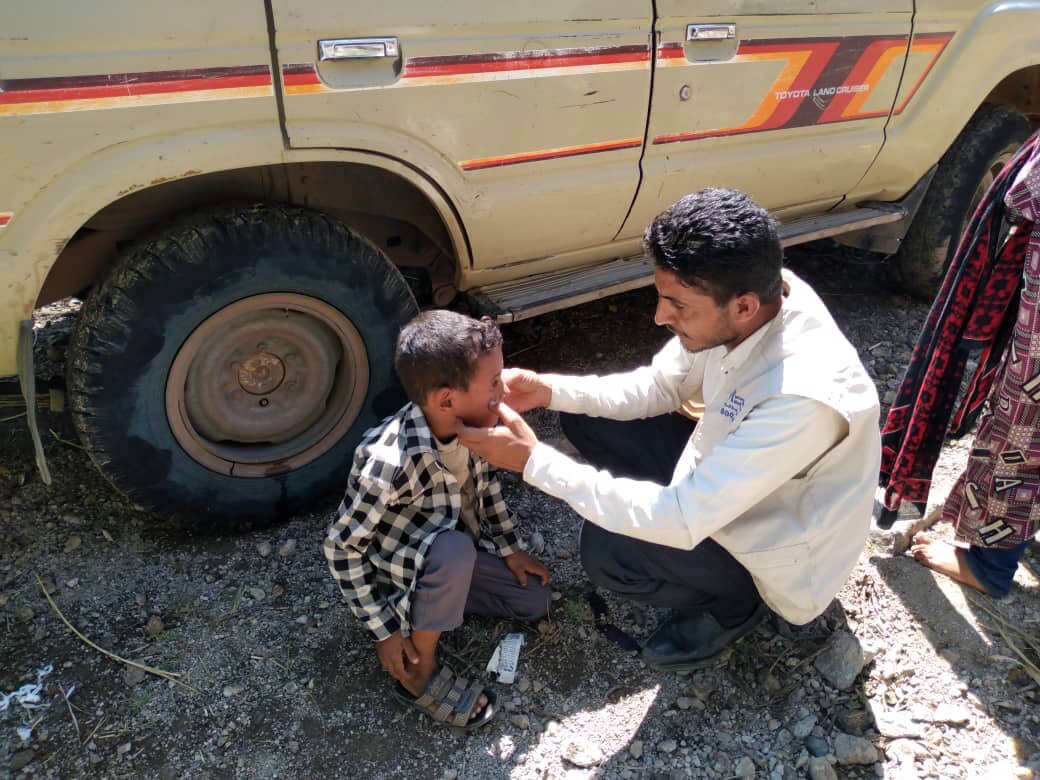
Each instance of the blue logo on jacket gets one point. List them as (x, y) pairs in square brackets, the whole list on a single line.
[(731, 406)]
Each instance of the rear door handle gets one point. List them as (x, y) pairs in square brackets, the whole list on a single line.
[(710, 32), (357, 49)]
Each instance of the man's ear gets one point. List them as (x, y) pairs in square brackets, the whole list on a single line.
[(745, 307)]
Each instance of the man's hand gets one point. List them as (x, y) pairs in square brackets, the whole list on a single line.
[(525, 390), (522, 564), (392, 652), (506, 446)]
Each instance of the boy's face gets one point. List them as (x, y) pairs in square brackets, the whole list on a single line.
[(477, 406)]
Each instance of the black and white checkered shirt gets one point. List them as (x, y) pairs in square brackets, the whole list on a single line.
[(399, 497)]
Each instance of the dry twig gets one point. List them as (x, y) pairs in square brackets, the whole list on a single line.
[(73, 714), (172, 676)]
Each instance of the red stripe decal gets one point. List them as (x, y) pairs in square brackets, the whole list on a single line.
[(4, 219), (495, 162), (130, 84), (493, 63)]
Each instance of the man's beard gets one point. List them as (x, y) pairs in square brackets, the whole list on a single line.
[(682, 339)]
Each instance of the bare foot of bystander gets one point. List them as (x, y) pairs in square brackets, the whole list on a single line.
[(943, 557)]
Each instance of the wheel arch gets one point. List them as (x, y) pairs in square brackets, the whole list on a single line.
[(394, 206)]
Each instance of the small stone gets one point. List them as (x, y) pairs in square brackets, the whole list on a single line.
[(256, 594), (288, 548), (140, 599), (636, 749), (277, 591), (854, 750), (841, 660), (702, 687), (855, 722), (954, 714), (450, 774), (536, 543), (803, 728), (744, 767), (773, 724), (556, 595), (73, 583), (233, 690), (154, 626), (264, 548), (817, 746), (821, 769), (582, 753), (21, 759), (122, 750), (134, 676), (520, 721), (537, 686), (667, 746), (24, 614), (210, 579), (684, 702), (74, 542)]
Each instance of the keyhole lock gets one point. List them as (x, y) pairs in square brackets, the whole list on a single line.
[(684, 92)]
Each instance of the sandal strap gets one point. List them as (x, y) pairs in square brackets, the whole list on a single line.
[(468, 703), (450, 698), (437, 687)]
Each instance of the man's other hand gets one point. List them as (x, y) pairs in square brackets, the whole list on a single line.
[(525, 390), (392, 653), (522, 564), (506, 446)]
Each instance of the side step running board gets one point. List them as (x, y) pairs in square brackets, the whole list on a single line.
[(534, 295)]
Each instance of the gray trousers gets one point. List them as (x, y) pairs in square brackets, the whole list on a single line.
[(458, 579)]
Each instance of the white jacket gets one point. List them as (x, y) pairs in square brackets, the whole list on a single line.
[(781, 470)]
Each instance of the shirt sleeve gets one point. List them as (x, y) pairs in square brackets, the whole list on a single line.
[(492, 508), (646, 392), (779, 439), (345, 549)]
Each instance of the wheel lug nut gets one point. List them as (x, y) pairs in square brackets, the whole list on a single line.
[(264, 402)]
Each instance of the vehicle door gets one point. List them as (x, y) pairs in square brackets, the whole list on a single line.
[(784, 99), (530, 116)]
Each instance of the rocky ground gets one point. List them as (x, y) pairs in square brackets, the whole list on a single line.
[(906, 674)]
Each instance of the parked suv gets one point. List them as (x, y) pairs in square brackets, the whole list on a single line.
[(254, 196)]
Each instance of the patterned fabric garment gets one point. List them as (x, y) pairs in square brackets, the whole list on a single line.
[(399, 497), (996, 501), (972, 317)]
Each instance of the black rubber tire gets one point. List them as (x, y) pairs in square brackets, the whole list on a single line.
[(133, 324), (932, 239)]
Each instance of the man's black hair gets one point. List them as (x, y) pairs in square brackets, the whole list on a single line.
[(441, 348), (721, 242)]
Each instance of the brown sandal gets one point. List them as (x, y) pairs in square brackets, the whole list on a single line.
[(451, 700)]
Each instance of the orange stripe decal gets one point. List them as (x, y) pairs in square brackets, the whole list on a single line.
[(933, 42), (117, 90), (550, 154), (821, 81)]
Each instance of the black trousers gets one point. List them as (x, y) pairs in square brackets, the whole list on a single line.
[(706, 578)]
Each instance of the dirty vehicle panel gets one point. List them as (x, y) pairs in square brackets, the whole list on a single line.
[(312, 172)]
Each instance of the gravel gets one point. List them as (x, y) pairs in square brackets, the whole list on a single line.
[(280, 681)]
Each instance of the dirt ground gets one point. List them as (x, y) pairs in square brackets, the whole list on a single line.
[(276, 679)]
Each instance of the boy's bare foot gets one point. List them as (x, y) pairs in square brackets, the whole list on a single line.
[(943, 557)]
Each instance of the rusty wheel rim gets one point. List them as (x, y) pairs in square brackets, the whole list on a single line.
[(266, 385)]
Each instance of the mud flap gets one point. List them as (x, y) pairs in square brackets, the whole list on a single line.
[(27, 382)]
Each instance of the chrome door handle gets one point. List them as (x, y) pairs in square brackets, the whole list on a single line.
[(710, 32), (357, 49)]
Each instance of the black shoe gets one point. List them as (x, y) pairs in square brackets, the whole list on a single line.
[(685, 644)]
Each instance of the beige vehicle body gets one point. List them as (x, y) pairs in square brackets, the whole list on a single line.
[(481, 144)]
